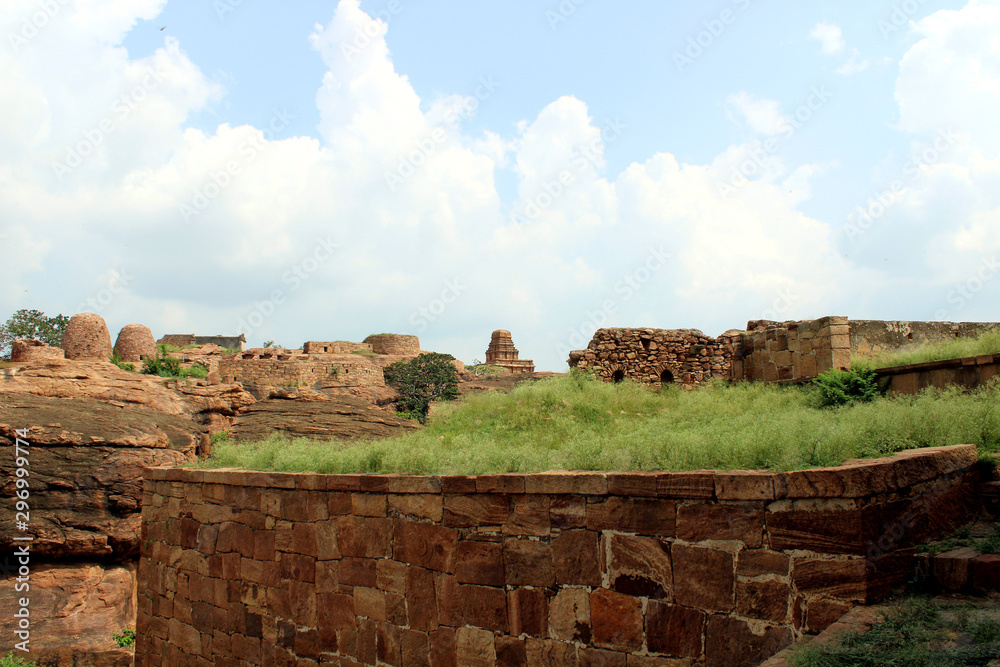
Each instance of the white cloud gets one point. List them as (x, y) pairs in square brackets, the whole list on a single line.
[(761, 114), (830, 38)]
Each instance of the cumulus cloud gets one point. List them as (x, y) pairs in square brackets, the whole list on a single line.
[(829, 36), (763, 115)]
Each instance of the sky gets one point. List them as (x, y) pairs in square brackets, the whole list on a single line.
[(327, 170)]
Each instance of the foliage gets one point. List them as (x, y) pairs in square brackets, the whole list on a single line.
[(485, 369), (269, 343), (837, 387), (10, 660), (32, 324), (124, 365), (578, 423), (125, 639), (987, 343), (917, 633), (169, 367), (220, 438), (428, 377)]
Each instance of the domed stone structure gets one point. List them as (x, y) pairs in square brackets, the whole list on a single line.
[(502, 353), (394, 344), (135, 341), (27, 349), (87, 338)]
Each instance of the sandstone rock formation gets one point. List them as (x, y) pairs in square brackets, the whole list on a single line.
[(502, 353), (135, 341), (87, 337), (394, 344), (27, 349)]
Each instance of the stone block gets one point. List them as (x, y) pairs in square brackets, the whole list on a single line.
[(986, 574), (478, 510), (704, 578), (577, 558), (595, 657), (483, 607), (479, 563), (616, 620), (633, 484), (743, 522), (529, 516), (837, 530), (418, 505), (357, 572), (421, 599), (475, 648), (569, 615), (697, 484), (674, 630), (511, 652), (425, 545), (842, 579), (528, 612), (852, 480), (567, 512), (364, 537), (761, 562), (639, 566), (822, 613), (729, 642), (528, 563), (645, 516), (443, 651), (763, 600), (744, 485), (550, 653), (369, 602), (593, 483), (390, 576), (415, 649), (388, 648)]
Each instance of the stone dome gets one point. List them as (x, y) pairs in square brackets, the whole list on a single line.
[(87, 337)]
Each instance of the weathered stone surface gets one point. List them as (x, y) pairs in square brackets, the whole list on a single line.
[(703, 578), (674, 630), (27, 349), (530, 516), (550, 653), (753, 563), (528, 612), (730, 642), (854, 479), (577, 558), (842, 579), (426, 545), (501, 352), (835, 530), (364, 537), (75, 608), (86, 461), (616, 620), (479, 563), (765, 600), (476, 510), (639, 566), (421, 596), (823, 613), (744, 485), (475, 647), (134, 342), (87, 337), (528, 563), (742, 522), (646, 516), (343, 417), (569, 615), (511, 652)]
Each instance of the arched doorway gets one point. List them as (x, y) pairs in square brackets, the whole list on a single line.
[(618, 376), (666, 377)]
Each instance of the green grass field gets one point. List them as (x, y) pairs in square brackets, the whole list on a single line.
[(988, 343), (575, 423)]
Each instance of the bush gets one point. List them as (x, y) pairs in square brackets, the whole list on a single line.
[(837, 387), (124, 365), (168, 367), (10, 660), (429, 377), (125, 639)]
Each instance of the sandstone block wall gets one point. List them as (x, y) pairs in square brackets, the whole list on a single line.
[(334, 347), (685, 356), (969, 372), (298, 370), (718, 568), (400, 344), (878, 335), (792, 351)]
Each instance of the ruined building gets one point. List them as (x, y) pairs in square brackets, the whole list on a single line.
[(502, 353)]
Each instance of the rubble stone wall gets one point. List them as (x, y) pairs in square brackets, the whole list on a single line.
[(792, 351), (347, 370), (334, 347), (717, 568)]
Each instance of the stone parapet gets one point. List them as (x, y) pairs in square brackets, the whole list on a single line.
[(713, 567)]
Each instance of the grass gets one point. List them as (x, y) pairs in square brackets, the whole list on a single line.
[(10, 660), (918, 633), (485, 369), (987, 343), (364, 353), (573, 422)]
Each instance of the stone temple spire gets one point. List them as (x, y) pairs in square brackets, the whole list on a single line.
[(502, 353)]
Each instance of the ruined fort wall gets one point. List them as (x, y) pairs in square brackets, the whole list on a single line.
[(878, 335), (334, 347), (792, 351), (556, 568), (348, 370)]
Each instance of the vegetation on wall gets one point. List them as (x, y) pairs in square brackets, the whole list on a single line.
[(986, 343)]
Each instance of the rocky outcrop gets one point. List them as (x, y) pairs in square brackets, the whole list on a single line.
[(87, 337), (27, 349), (134, 342)]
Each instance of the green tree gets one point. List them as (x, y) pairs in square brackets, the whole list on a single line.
[(32, 324), (429, 377)]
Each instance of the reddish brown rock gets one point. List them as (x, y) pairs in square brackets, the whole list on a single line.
[(415, 649), (479, 563), (26, 349), (639, 566), (426, 545), (528, 612), (595, 657), (703, 578), (843, 579), (443, 652), (674, 630), (730, 642), (753, 563), (501, 352), (823, 613), (528, 563), (569, 615), (548, 653), (476, 510), (835, 530), (530, 516), (645, 516), (744, 485), (742, 522), (475, 648), (577, 558), (134, 342), (87, 337), (765, 600), (511, 652), (421, 596), (364, 537), (616, 620)]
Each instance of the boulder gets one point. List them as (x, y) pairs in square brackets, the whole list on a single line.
[(87, 337), (134, 342), (27, 349)]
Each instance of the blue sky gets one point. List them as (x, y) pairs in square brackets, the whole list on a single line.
[(326, 170)]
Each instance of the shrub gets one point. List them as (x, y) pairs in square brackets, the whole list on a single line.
[(162, 365), (837, 387), (125, 639), (10, 660), (428, 377), (124, 365)]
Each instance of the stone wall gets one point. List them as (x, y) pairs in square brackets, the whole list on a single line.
[(792, 351), (878, 335), (181, 340), (969, 372), (400, 344), (299, 370), (334, 347), (685, 356), (719, 568)]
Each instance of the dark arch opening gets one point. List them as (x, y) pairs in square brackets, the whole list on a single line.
[(618, 376), (666, 377), (645, 344)]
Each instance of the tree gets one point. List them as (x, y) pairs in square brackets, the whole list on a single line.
[(431, 376), (32, 324)]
